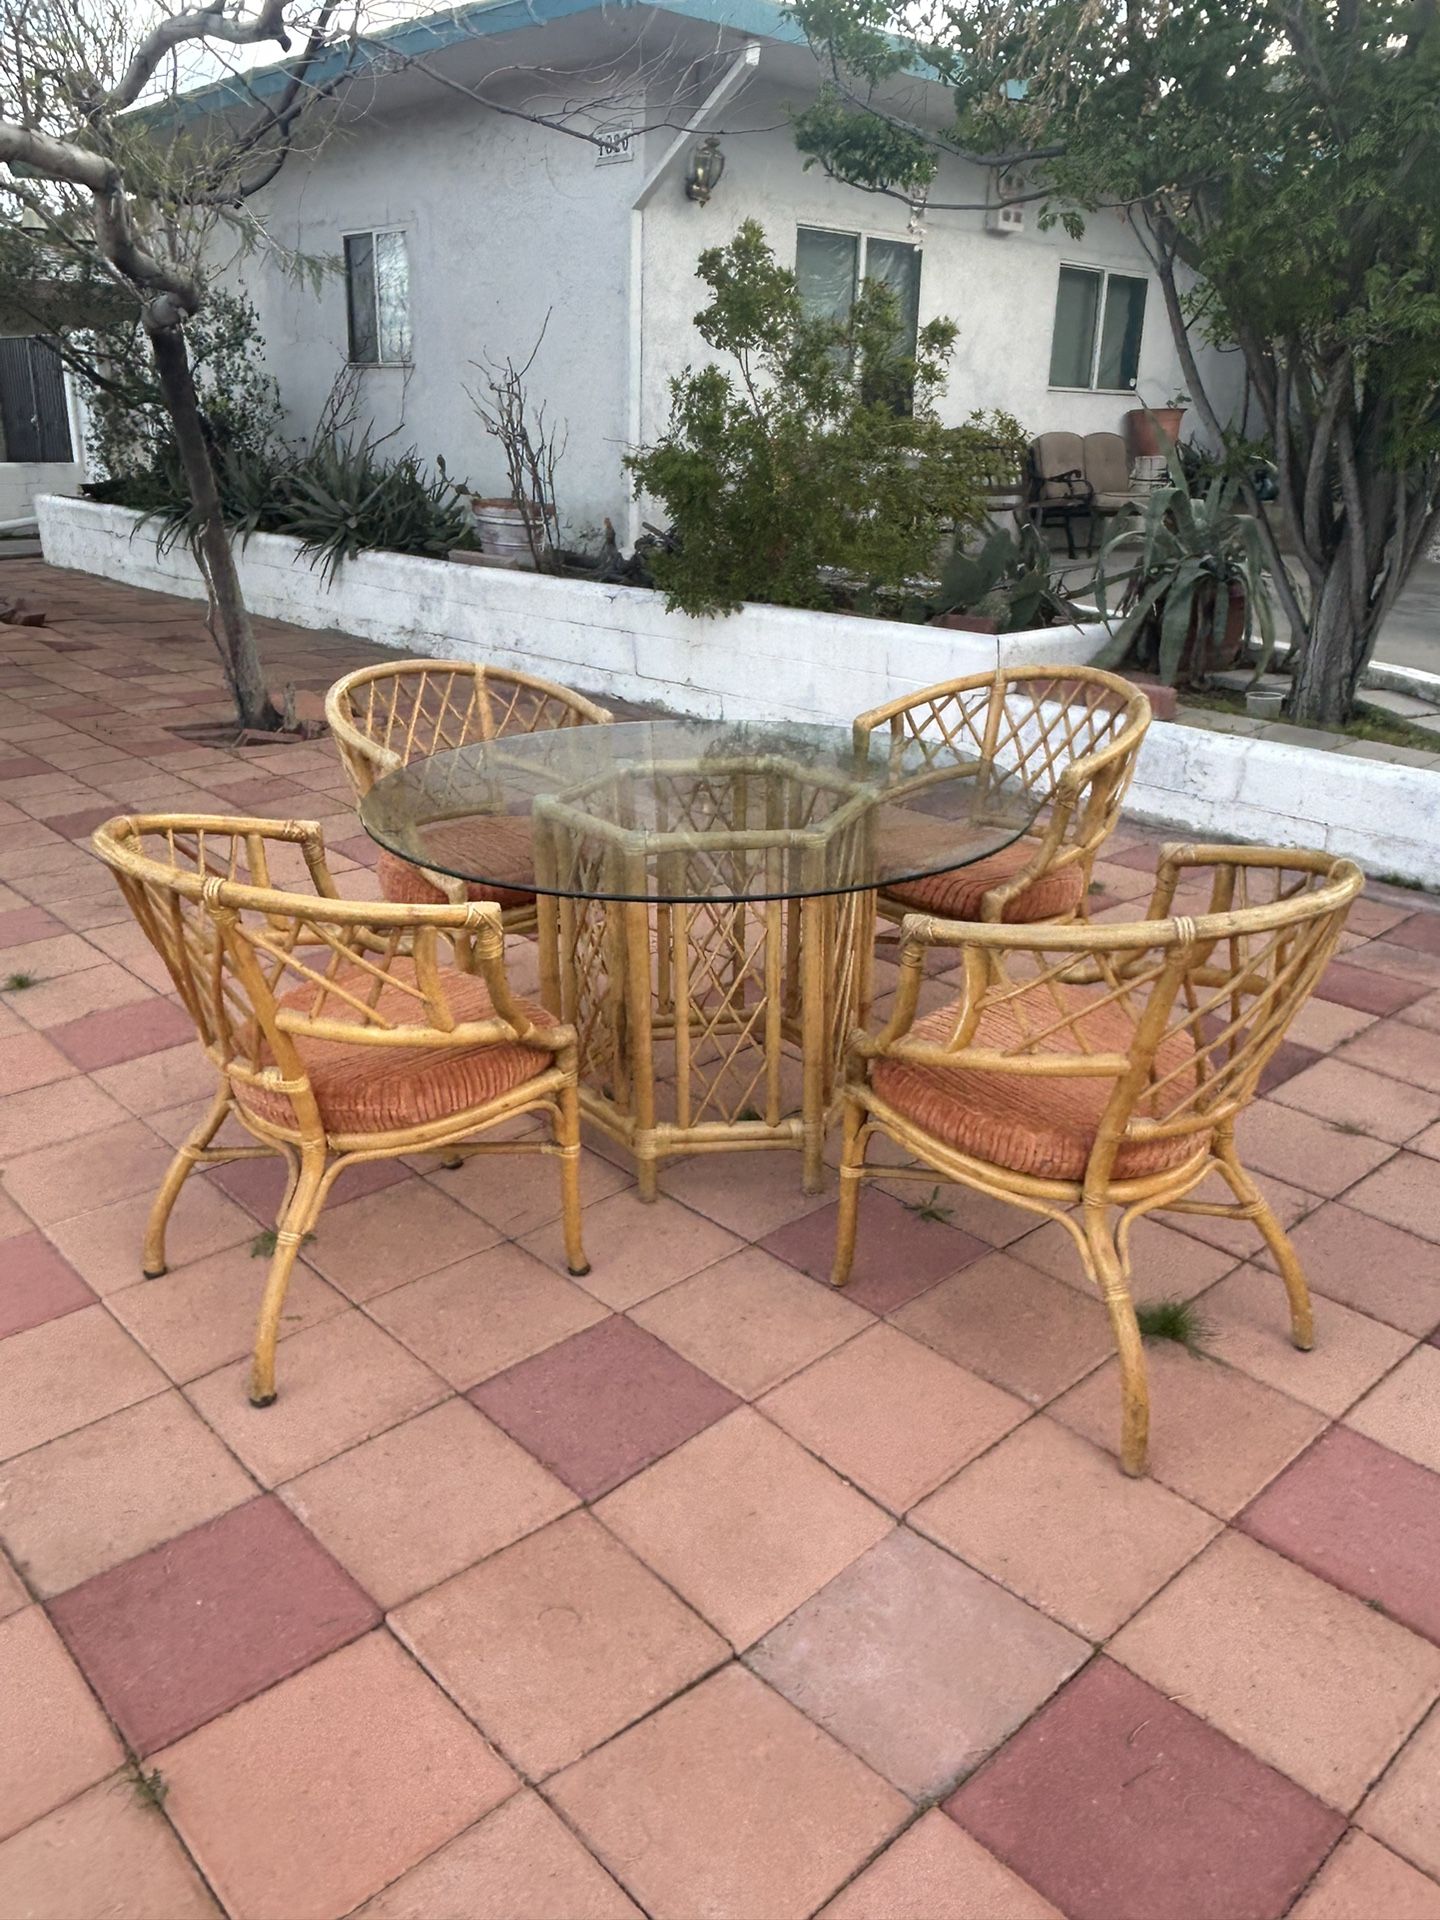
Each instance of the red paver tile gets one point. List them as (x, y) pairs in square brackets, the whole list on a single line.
[(1365, 989), (897, 1253), (519, 1863), (291, 1805), (484, 1314), (917, 1663), (370, 1245), (1041, 1513), (935, 1871), (1365, 1881), (402, 1511), (750, 1193), (96, 1497), (728, 1801), (637, 1248), (1166, 1264), (339, 1382), (1248, 1326), (1366, 1264), (1405, 1193), (1016, 1326), (28, 1060), (1363, 1518), (558, 1642), (892, 1415), (77, 1176), (1420, 931), (80, 825), (105, 1853), (1115, 1801), (188, 1630), (57, 1742), (1315, 1682), (1303, 1150), (601, 1405), (1403, 1411), (751, 1320), (1403, 1808), (67, 1372), (743, 1524), (36, 1285), (1216, 1435)]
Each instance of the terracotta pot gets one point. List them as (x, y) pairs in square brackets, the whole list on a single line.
[(1145, 429), (1202, 654)]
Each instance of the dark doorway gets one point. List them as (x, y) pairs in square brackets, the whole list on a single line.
[(34, 420)]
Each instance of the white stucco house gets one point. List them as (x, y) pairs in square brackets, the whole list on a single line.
[(459, 225)]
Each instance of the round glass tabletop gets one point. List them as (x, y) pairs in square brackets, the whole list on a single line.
[(681, 810)]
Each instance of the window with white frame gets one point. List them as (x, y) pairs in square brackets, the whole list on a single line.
[(1099, 318), (830, 266), (377, 291)]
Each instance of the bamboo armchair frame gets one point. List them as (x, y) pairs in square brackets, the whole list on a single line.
[(200, 888), (1071, 734), (381, 718), (1207, 1001)]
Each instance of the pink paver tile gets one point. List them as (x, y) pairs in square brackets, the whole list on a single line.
[(22, 926), (1420, 931), (750, 1193), (892, 1415), (1116, 1801), (1405, 1193), (156, 1081), (370, 1245), (61, 1111), (1403, 1411), (1041, 1513), (1326, 1024), (1248, 1326), (28, 1060), (935, 1871), (601, 1405), (50, 962), (515, 1194), (56, 1002), (751, 1320), (1366, 1264), (636, 1249), (259, 1185), (1399, 1051), (96, 1497), (77, 1176), (1365, 989), (1423, 1013), (1301, 1149), (486, 1313), (1365, 1881), (196, 1318), (728, 1801), (291, 1805), (1363, 1518), (897, 1254), (1216, 1435), (743, 1524), (1166, 1264), (1427, 1142), (1313, 1681), (558, 1642), (123, 1033), (1403, 1808), (105, 1853), (417, 1504), (36, 1285), (1404, 963), (57, 1742), (106, 1246), (66, 1373), (1352, 1096), (916, 1663), (519, 1863), (186, 1631), (339, 1382), (1240, 1237), (13, 1595), (1016, 1326)]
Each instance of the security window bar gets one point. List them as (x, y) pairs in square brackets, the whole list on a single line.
[(1099, 320), (377, 287)]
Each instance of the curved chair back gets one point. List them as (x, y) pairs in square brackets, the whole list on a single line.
[(382, 717)]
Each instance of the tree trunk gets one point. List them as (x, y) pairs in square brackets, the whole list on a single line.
[(1335, 652), (229, 621)]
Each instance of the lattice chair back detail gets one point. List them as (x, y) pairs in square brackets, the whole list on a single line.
[(1069, 737), (1100, 1067), (337, 1029)]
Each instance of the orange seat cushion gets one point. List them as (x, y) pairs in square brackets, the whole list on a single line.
[(509, 844), (959, 894), (1040, 1124), (362, 1088)]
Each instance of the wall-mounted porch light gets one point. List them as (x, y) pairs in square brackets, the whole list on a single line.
[(706, 164)]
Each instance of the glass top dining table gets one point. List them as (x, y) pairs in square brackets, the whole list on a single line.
[(676, 810)]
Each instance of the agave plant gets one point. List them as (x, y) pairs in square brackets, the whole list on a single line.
[(1008, 579), (1195, 547), (344, 498)]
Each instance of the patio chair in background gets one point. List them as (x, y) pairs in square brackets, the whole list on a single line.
[(383, 717), (1070, 735), (1076, 478), (337, 1032), (1086, 1069)]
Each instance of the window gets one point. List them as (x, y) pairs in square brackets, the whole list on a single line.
[(829, 268), (1099, 318), (377, 289), (34, 420)]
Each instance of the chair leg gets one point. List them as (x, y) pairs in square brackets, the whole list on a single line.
[(567, 1138), (852, 1165), (1103, 1260), (295, 1222), (1258, 1209), (152, 1260)]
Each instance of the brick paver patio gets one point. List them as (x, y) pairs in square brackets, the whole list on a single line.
[(692, 1589)]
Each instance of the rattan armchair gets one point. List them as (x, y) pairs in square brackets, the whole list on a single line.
[(1094, 1070), (337, 1032), (382, 717), (1069, 735)]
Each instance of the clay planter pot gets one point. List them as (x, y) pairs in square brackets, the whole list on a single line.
[(501, 526), (1145, 429)]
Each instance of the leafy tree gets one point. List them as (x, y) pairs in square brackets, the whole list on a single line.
[(822, 450), (1280, 159)]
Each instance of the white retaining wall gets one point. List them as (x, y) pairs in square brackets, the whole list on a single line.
[(777, 663)]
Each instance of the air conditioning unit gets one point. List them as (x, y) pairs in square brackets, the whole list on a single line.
[(1005, 219)]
